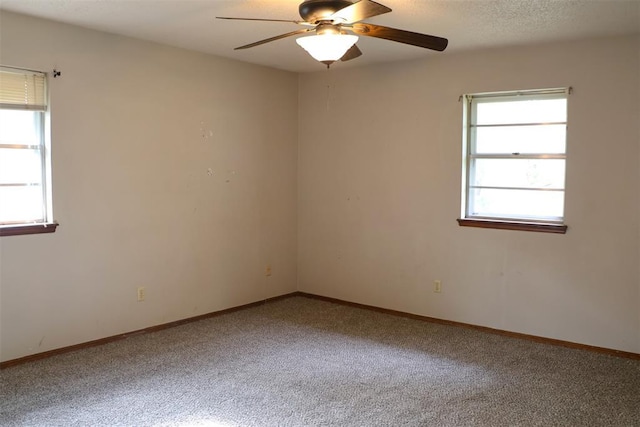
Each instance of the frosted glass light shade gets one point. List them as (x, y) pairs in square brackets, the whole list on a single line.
[(327, 47)]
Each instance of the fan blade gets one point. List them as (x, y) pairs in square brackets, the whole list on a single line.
[(281, 36), (401, 36), (360, 10), (352, 53), (265, 20)]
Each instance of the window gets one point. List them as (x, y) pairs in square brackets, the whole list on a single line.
[(515, 157), (25, 193)]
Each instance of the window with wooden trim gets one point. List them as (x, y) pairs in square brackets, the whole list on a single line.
[(25, 171), (515, 158)]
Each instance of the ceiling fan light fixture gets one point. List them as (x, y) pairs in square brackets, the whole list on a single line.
[(327, 48)]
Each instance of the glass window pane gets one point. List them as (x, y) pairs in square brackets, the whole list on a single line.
[(21, 204), (20, 166), (519, 173), (521, 111), (20, 127), (549, 139), (516, 204)]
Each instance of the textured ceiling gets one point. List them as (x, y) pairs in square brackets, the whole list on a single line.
[(468, 24)]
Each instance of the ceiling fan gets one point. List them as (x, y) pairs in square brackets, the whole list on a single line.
[(330, 20)]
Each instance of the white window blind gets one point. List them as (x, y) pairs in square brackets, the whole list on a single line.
[(21, 89)]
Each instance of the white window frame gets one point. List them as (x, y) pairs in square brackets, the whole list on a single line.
[(501, 220), (23, 89)]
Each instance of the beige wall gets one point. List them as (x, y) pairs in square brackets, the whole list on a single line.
[(379, 193), (371, 165), (136, 126)]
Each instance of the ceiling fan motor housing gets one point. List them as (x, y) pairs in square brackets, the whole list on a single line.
[(317, 10)]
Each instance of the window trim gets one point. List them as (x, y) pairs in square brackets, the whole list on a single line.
[(511, 225), (23, 229), (466, 220)]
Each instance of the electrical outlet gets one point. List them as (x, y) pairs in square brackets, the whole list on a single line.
[(140, 294), (437, 286), (267, 270)]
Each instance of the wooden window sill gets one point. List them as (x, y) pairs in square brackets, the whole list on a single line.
[(18, 230), (520, 226)]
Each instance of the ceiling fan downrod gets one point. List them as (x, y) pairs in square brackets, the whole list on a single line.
[(315, 11)]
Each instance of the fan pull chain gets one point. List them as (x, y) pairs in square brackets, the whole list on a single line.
[(328, 88), (328, 94)]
